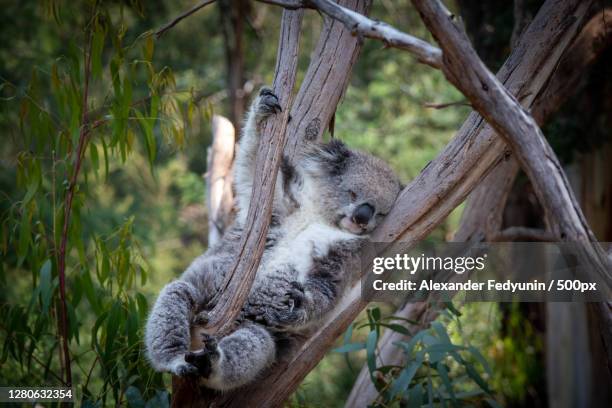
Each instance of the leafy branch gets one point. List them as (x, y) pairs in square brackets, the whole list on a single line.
[(61, 259)]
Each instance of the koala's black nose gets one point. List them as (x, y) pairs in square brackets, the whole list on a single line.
[(363, 214)]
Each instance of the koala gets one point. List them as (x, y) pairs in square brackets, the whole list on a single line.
[(325, 203)]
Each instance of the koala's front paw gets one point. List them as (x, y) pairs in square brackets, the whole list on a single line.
[(290, 311), (267, 103), (205, 358), (295, 295), (201, 318), (185, 369)]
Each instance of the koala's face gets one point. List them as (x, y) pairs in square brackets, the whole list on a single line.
[(355, 190)]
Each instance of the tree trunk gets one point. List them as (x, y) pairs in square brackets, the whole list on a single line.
[(219, 178), (233, 16)]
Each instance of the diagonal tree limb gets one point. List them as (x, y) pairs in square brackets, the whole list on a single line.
[(490, 98), (239, 278)]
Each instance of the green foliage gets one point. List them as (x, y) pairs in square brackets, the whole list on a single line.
[(437, 371), (517, 355), (97, 104)]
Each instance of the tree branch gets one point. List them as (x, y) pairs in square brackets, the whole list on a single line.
[(288, 4), (239, 278), (392, 37), (61, 258), (466, 71), (162, 30), (325, 80)]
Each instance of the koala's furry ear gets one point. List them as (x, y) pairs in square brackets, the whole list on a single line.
[(330, 158)]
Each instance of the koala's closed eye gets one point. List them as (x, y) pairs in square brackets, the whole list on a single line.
[(353, 195)]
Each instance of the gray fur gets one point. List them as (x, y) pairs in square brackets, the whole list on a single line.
[(313, 235)]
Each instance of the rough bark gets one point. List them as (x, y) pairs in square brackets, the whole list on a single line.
[(466, 71), (240, 277), (325, 80)]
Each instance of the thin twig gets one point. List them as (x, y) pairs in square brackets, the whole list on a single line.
[(57, 377), (91, 371), (288, 4), (162, 30), (446, 105)]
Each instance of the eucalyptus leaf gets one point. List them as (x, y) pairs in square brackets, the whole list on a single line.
[(46, 286), (405, 377)]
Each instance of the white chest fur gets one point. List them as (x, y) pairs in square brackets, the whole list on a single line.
[(304, 237)]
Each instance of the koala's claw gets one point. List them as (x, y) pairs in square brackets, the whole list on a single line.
[(210, 342), (268, 103), (204, 358), (296, 294), (186, 370), (200, 318)]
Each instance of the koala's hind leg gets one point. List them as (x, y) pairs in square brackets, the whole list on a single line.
[(264, 105), (167, 335), (235, 360)]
